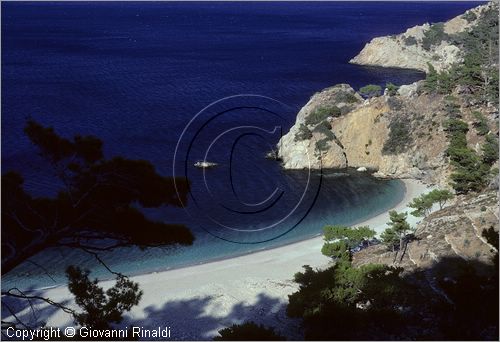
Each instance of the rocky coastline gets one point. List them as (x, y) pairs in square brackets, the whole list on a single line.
[(398, 134)]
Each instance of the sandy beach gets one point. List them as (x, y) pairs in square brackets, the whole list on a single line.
[(197, 301)]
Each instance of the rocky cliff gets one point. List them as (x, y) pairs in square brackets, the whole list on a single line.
[(362, 136), (420, 45), (400, 134), (460, 229)]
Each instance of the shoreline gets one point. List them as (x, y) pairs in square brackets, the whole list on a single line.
[(406, 182), (261, 279)]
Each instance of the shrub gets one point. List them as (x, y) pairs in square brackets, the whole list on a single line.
[(409, 41), (431, 79), (303, 134), (471, 172), (422, 206), (248, 331), (392, 89), (341, 240), (480, 124), (325, 128), (469, 16), (438, 82), (399, 138), (322, 145), (346, 97), (479, 70), (457, 130), (434, 36), (370, 90), (490, 149), (451, 107), (321, 113)]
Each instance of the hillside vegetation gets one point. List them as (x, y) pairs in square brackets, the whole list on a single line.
[(437, 280)]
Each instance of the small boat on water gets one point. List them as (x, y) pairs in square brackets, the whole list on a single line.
[(204, 164)]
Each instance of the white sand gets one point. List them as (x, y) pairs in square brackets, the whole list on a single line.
[(197, 301)]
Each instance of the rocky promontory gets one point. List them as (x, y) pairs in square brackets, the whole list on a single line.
[(395, 135), (420, 45), (398, 134)]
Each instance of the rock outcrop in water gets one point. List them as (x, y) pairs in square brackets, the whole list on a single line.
[(420, 45)]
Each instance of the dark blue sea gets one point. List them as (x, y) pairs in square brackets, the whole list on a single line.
[(174, 83)]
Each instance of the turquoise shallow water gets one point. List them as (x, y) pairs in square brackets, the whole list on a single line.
[(357, 197), (134, 74)]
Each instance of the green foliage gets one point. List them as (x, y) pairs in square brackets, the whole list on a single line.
[(248, 331), (392, 89), (438, 82), (451, 107), (390, 238), (471, 172), (423, 203), (409, 41), (322, 145), (101, 308), (98, 198), (336, 250), (340, 240), (422, 206), (371, 90), (479, 70), (478, 73), (480, 124), (474, 293), (399, 137), (465, 180), (303, 134), (490, 149), (434, 36), (322, 113), (469, 16), (456, 126), (357, 300), (431, 79), (457, 130), (325, 128), (397, 231), (346, 97), (440, 197)]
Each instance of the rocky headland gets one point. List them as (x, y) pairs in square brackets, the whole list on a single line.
[(399, 134), (420, 45), (405, 132)]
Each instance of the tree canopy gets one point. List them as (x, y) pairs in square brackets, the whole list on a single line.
[(396, 235), (423, 203), (98, 205), (371, 90), (101, 308), (340, 240), (248, 331)]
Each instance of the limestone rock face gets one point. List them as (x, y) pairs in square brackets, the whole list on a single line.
[(362, 138), (406, 50), (300, 154), (408, 90), (395, 135)]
